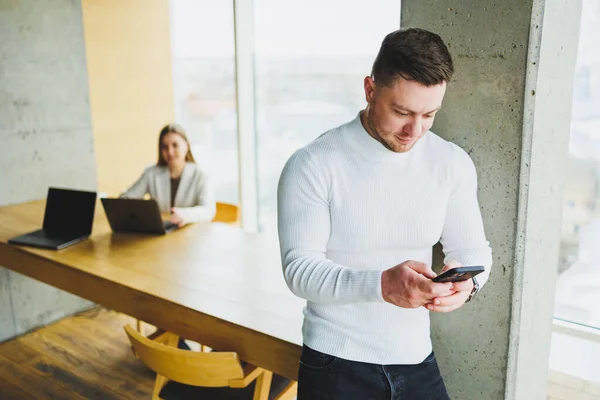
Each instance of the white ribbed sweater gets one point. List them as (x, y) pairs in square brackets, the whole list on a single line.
[(349, 209)]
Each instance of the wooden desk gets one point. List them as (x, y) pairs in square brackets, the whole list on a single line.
[(212, 283)]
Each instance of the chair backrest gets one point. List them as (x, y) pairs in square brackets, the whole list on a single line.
[(227, 213), (214, 369)]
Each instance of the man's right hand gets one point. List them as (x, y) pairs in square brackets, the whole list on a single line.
[(409, 285)]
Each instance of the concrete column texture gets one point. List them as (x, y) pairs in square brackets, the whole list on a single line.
[(45, 135), (509, 106)]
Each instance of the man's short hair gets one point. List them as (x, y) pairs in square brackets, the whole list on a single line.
[(413, 54)]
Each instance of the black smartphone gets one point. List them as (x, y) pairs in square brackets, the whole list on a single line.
[(459, 274)]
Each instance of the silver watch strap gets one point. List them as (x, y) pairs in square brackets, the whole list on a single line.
[(474, 291)]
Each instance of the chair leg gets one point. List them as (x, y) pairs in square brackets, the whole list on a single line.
[(289, 392), (172, 340), (139, 327), (263, 386), (159, 384)]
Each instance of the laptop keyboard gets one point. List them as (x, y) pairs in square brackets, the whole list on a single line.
[(169, 226)]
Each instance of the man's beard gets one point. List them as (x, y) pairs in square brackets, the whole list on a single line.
[(376, 135)]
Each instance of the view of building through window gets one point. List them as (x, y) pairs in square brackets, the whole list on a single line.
[(578, 285), (309, 77), (203, 51)]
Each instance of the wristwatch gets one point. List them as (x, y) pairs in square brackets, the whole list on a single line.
[(474, 291)]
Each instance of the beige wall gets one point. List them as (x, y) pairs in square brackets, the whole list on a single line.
[(130, 82)]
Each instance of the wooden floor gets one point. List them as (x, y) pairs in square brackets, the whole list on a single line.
[(82, 357), (89, 357)]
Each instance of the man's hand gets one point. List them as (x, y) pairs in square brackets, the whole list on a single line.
[(409, 285), (450, 303)]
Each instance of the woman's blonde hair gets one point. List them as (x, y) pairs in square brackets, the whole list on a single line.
[(178, 129)]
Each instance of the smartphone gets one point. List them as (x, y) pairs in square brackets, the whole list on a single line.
[(459, 274)]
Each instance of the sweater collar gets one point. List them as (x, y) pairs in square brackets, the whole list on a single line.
[(365, 144)]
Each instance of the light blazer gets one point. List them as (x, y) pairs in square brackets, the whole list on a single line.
[(194, 197)]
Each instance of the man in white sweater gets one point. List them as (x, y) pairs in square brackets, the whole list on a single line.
[(360, 209)]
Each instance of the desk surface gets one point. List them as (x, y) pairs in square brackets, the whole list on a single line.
[(213, 283)]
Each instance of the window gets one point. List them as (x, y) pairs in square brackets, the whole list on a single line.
[(203, 52), (309, 76), (578, 285)]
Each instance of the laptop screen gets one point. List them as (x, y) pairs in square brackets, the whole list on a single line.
[(69, 211)]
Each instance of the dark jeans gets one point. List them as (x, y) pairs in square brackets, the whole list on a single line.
[(325, 377)]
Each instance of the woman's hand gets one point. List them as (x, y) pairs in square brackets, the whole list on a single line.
[(177, 217)]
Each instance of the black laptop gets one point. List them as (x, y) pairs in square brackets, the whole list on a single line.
[(68, 219), (136, 216)]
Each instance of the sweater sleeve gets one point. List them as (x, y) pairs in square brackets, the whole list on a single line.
[(304, 229), (140, 188), (205, 208), (463, 237)]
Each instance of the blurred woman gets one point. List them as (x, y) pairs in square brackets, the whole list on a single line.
[(176, 182)]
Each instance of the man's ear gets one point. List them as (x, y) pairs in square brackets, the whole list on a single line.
[(369, 85)]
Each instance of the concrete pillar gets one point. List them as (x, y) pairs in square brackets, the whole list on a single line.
[(509, 107), (45, 135)]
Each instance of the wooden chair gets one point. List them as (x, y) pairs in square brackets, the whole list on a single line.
[(203, 370), (226, 213)]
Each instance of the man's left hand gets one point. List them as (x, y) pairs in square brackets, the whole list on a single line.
[(462, 290)]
